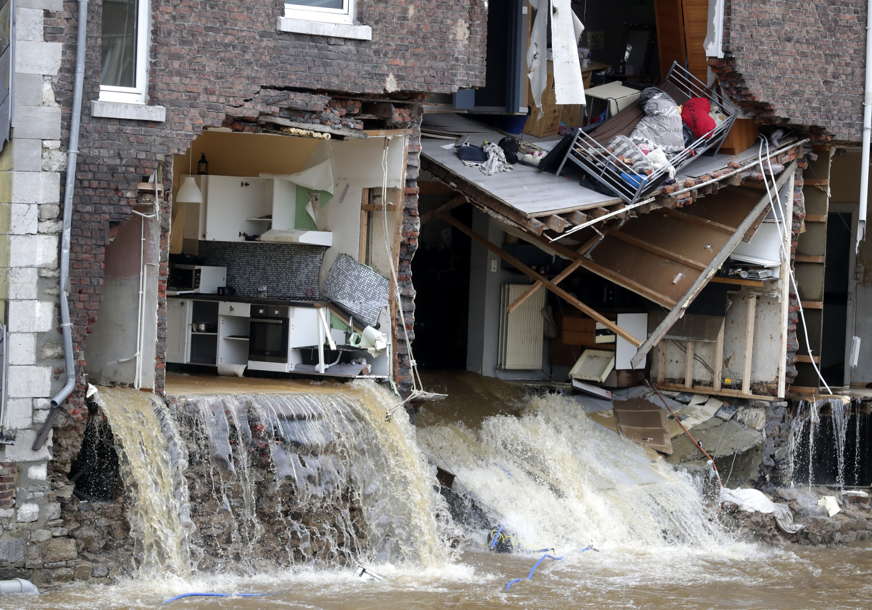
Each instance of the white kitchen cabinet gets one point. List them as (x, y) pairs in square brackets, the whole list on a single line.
[(303, 327), (233, 206), (179, 331)]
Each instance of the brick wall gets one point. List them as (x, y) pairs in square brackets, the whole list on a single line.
[(800, 63), (218, 63)]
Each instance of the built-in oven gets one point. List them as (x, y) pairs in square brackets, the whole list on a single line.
[(268, 337)]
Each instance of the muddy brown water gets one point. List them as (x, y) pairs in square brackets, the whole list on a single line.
[(713, 570), (632, 578)]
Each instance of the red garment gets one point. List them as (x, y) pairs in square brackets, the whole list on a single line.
[(695, 114)]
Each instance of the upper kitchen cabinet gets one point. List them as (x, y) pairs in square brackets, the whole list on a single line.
[(256, 209)]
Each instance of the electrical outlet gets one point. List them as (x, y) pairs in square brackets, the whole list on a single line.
[(494, 264)]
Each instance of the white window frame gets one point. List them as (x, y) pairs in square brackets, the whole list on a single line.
[(138, 93), (314, 13)]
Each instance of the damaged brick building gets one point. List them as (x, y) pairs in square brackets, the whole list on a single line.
[(168, 84)]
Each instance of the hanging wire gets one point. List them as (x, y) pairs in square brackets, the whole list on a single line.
[(785, 232), (417, 384)]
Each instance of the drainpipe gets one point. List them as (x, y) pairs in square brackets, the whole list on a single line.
[(69, 188), (867, 133)]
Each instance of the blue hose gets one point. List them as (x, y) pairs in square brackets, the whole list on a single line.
[(184, 595), (533, 570)]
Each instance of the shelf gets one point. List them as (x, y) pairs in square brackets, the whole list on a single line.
[(259, 219), (237, 338), (198, 333)]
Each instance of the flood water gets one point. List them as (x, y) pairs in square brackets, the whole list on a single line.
[(534, 465), (752, 577)]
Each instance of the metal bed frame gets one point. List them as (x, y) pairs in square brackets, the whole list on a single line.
[(606, 168)]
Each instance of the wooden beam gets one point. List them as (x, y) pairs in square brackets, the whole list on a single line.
[(674, 387), (699, 220), (688, 364), (557, 224), (659, 251), (735, 237), (718, 369), (750, 321), (816, 218), (807, 258), (445, 207), (569, 270), (816, 182), (660, 360), (806, 359), (737, 281), (577, 218), (812, 304), (620, 280), (589, 311)]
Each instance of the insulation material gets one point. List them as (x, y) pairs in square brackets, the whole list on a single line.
[(565, 33), (357, 289)]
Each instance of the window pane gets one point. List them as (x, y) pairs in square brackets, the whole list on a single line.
[(119, 43), (340, 4)]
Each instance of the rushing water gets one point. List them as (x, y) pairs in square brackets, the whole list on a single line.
[(328, 471)]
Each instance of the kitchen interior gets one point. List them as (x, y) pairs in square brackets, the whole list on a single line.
[(280, 257)]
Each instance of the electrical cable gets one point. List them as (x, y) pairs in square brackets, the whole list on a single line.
[(786, 233)]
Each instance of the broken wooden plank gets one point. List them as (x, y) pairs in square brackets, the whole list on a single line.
[(659, 251), (557, 224), (676, 312), (572, 300), (750, 322)]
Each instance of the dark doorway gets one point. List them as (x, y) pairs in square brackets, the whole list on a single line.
[(440, 273), (836, 281)]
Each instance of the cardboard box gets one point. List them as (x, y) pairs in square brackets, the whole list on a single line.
[(742, 136)]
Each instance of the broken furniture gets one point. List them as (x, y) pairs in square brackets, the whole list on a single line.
[(591, 152), (609, 99)]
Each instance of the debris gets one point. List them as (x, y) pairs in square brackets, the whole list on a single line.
[(830, 504), (593, 365), (754, 500)]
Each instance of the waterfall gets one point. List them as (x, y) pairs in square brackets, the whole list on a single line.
[(554, 478), (320, 477), (152, 465), (839, 412)]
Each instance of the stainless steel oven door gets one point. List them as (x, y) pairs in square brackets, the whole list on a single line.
[(268, 340)]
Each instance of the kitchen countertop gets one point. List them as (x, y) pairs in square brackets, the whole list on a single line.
[(253, 300)]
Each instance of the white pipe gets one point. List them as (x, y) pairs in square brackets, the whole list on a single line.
[(867, 133), (18, 585)]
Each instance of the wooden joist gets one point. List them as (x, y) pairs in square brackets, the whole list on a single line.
[(659, 251), (674, 387), (737, 281), (812, 304), (569, 298), (556, 223), (577, 218), (705, 222), (816, 218), (807, 258), (442, 209), (806, 359)]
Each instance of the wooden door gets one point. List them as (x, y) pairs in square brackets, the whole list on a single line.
[(681, 31)]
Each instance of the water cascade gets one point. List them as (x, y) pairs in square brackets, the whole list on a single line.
[(821, 443), (554, 478), (277, 479)]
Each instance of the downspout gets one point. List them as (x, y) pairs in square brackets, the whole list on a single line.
[(867, 134), (69, 188)]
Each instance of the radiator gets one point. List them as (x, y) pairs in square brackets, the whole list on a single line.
[(522, 331)]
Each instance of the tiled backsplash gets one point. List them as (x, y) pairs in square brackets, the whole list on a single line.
[(288, 270)]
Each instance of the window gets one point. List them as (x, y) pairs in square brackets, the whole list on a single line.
[(332, 11), (125, 51)]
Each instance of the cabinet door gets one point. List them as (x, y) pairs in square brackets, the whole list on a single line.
[(179, 331), (303, 328), (232, 203)]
